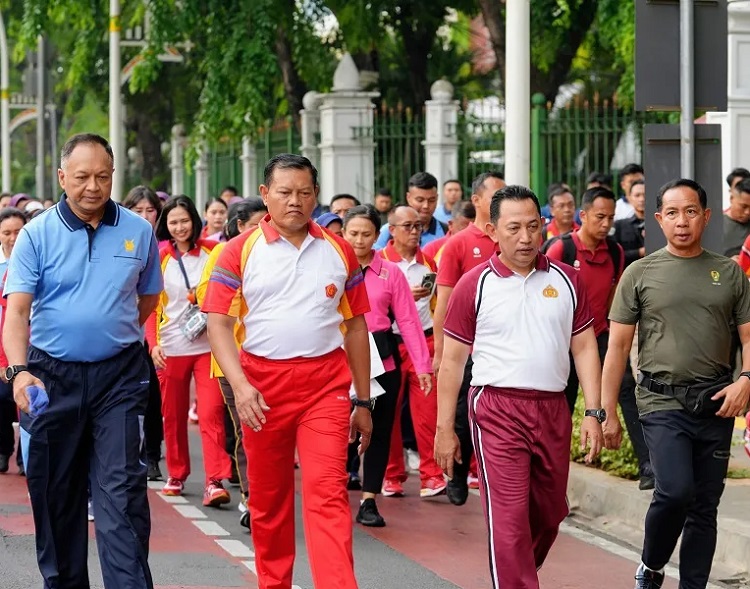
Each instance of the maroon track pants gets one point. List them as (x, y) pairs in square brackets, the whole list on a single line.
[(522, 444)]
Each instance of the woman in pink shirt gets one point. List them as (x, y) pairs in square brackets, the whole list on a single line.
[(390, 297)]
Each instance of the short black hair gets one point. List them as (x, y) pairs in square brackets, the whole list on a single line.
[(454, 181), (682, 182), (478, 182), (556, 190), (592, 194), (345, 195), (366, 211), (384, 192), (212, 200), (600, 178), (83, 139), (512, 192), (139, 193), (423, 180), (13, 213), (288, 161), (743, 186), (465, 209), (231, 189), (242, 211), (629, 169), (743, 173), (179, 200), (637, 183)]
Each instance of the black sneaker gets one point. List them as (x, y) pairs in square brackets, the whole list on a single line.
[(154, 474), (353, 483), (245, 520), (646, 483), (457, 492), (368, 514), (21, 470), (234, 480), (4, 463), (645, 578)]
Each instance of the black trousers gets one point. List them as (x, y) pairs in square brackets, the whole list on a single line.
[(233, 429), (462, 427), (627, 404), (690, 458), (375, 459), (153, 424), (91, 434), (8, 414)]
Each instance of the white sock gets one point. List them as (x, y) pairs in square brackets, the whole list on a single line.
[(660, 571)]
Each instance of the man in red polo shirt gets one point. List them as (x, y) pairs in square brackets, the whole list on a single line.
[(562, 205), (404, 251), (465, 251), (293, 285)]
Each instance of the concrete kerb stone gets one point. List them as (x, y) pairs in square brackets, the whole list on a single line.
[(608, 501)]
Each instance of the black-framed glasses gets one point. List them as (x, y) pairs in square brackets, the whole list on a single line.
[(409, 227)]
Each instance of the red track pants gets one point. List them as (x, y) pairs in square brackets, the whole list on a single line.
[(424, 417), (175, 403), (310, 408), (522, 443)]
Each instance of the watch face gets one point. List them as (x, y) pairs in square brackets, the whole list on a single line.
[(9, 373)]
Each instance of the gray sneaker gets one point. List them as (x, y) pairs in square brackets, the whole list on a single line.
[(645, 578)]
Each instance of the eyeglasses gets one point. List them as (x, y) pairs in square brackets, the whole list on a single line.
[(409, 227)]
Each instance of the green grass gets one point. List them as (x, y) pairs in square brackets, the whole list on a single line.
[(738, 473)]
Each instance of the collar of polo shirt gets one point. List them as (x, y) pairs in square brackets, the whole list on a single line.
[(393, 256), (376, 265), (271, 234), (73, 223), (542, 263)]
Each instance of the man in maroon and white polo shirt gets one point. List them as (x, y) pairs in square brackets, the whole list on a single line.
[(510, 312)]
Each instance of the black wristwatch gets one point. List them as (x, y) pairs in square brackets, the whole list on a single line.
[(12, 372), (600, 414), (369, 404), (745, 374)]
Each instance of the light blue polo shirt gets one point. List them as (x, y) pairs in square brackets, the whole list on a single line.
[(84, 280), (433, 232)]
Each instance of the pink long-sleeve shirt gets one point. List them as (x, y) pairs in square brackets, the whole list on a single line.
[(388, 289)]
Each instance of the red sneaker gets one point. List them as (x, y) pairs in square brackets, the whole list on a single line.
[(432, 487), (392, 488), (215, 494), (173, 488), (473, 480)]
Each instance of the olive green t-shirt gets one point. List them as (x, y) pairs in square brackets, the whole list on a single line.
[(686, 310)]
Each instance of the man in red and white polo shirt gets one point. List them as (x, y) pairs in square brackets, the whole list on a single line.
[(463, 252), (508, 313), (297, 284), (403, 250)]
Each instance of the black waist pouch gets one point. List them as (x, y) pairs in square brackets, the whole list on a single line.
[(697, 398), (385, 341)]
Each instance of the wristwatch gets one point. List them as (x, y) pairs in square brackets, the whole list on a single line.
[(599, 414), (369, 404), (12, 372), (747, 373)]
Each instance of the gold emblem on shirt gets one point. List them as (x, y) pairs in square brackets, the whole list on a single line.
[(129, 245), (550, 292), (715, 276)]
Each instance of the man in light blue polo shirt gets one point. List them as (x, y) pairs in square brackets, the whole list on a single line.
[(87, 273)]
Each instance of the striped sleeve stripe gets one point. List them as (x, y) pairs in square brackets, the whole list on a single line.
[(225, 279), (457, 337), (357, 278), (589, 323)]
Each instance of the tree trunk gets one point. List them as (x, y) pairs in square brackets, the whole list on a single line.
[(418, 37), (495, 23), (293, 86)]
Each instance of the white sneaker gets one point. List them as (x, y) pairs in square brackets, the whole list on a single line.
[(412, 460), (193, 412)]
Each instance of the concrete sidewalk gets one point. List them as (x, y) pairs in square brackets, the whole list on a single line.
[(615, 506)]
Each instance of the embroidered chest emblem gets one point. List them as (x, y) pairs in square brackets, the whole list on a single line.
[(129, 245), (331, 291), (715, 276), (550, 292)]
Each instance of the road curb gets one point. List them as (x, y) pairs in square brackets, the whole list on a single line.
[(599, 496)]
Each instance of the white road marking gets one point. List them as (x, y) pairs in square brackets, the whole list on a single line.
[(251, 565), (618, 550), (173, 499), (210, 528), (236, 548), (156, 485), (190, 512)]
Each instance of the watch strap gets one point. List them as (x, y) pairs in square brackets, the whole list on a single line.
[(746, 373), (368, 404)]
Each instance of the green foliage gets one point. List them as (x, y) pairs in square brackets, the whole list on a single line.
[(622, 462)]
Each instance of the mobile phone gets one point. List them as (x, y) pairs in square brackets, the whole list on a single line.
[(428, 281)]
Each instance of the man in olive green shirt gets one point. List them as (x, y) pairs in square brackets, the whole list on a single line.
[(685, 301)]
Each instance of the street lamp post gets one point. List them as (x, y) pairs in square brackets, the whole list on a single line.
[(4, 107), (115, 104), (517, 91), (41, 69)]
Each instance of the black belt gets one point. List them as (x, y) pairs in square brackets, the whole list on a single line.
[(655, 386), (427, 333)]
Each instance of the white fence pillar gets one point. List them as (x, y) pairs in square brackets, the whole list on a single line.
[(310, 123), (249, 168), (201, 178), (347, 148), (177, 160), (735, 123), (441, 141)]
